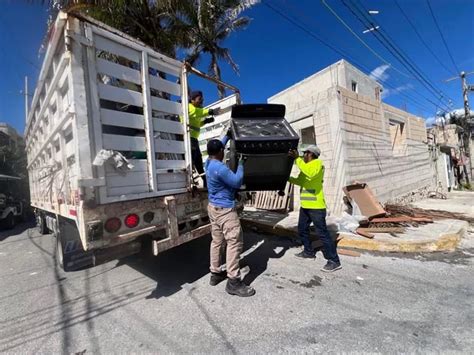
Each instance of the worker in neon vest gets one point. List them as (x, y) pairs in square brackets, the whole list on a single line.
[(198, 117), (313, 206)]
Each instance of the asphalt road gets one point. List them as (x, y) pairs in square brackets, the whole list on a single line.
[(376, 303)]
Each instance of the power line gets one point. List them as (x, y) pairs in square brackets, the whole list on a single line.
[(343, 54), (360, 39), (442, 36), (421, 38), (397, 53)]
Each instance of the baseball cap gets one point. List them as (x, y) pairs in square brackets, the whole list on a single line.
[(313, 149)]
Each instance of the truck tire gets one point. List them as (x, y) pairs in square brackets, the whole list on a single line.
[(41, 224), (70, 255)]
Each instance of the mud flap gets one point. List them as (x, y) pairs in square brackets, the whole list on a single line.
[(70, 254)]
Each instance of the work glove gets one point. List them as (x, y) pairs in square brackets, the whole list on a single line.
[(208, 120), (214, 111)]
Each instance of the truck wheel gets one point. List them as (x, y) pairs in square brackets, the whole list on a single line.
[(10, 221), (41, 224)]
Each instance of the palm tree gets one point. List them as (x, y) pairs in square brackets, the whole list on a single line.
[(152, 22), (196, 26), (204, 25)]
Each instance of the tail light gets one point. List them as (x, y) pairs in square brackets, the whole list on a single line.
[(132, 220), (112, 225)]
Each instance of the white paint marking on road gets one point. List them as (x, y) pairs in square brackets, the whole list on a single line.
[(252, 249), (277, 250)]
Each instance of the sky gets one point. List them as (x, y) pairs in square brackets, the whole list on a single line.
[(274, 53)]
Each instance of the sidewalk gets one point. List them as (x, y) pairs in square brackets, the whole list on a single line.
[(442, 235)]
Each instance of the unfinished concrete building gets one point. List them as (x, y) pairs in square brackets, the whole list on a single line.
[(361, 138)]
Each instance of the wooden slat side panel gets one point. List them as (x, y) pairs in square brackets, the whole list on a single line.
[(131, 178), (166, 106), (115, 48), (125, 96), (118, 71), (122, 119), (126, 190), (164, 85), (169, 146), (139, 165), (123, 143), (165, 67), (168, 126), (170, 164)]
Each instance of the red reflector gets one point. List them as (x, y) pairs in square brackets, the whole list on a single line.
[(112, 225), (131, 221)]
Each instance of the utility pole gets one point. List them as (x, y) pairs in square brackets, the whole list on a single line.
[(26, 99), (466, 122)]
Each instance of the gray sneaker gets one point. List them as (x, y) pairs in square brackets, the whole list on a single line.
[(331, 266)]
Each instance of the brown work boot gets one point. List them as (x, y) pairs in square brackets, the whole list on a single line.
[(238, 288)]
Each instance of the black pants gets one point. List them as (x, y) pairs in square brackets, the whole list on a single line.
[(196, 157), (318, 217)]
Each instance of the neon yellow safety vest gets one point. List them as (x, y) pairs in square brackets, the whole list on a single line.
[(311, 181), (196, 115)]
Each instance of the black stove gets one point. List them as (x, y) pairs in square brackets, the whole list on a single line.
[(261, 133)]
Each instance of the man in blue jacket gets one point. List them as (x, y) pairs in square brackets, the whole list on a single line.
[(222, 184)]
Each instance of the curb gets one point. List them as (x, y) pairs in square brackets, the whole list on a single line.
[(445, 241)]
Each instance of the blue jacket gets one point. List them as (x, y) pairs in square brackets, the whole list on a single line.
[(222, 183)]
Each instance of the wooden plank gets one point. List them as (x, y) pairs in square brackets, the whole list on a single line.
[(171, 185), (382, 230), (170, 164), (125, 96), (169, 146), (171, 177), (121, 119), (364, 233), (422, 219), (164, 85), (118, 71), (126, 190), (166, 106), (115, 48), (391, 219), (348, 252), (138, 165), (168, 126), (131, 178), (148, 119), (125, 143), (164, 67)]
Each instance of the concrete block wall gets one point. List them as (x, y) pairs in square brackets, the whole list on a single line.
[(370, 154)]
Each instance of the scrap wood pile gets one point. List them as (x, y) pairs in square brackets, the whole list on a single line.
[(394, 218), (395, 209)]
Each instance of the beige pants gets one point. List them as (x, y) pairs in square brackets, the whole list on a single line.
[(225, 228)]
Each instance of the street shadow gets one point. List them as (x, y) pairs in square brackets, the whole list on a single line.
[(18, 229), (189, 262)]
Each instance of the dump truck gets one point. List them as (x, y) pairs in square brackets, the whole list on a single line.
[(109, 159)]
